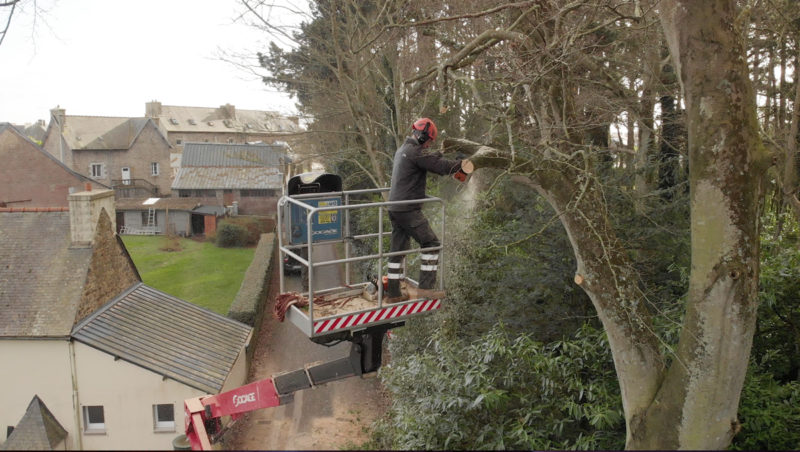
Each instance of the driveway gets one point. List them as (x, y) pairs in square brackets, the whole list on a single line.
[(331, 416)]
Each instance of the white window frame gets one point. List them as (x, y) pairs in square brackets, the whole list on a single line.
[(154, 168), (100, 170), (93, 427), (123, 170), (162, 425)]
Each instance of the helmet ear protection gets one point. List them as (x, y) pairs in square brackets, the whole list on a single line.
[(423, 135), (424, 130)]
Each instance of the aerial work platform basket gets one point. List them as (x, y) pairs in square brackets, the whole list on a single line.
[(342, 293)]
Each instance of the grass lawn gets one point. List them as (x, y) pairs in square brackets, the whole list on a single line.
[(199, 273)]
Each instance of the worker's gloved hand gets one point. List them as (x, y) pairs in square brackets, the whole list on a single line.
[(467, 167)]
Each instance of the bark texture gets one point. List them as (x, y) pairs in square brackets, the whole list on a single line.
[(697, 403), (692, 402)]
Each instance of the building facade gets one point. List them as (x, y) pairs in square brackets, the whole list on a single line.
[(247, 176), (130, 155), (179, 216), (223, 125), (112, 358), (31, 177)]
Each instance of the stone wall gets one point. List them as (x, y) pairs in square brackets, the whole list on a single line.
[(249, 305), (111, 270)]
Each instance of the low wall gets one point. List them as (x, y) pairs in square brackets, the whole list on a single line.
[(249, 303)]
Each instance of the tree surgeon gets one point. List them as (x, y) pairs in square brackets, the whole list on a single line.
[(412, 162)]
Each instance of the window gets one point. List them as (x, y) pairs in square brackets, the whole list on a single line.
[(96, 170), (154, 168), (94, 419), (164, 417), (178, 141)]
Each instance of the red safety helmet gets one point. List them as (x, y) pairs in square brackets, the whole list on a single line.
[(424, 130)]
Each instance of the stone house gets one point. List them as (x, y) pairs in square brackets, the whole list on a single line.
[(223, 125), (247, 176), (131, 155), (35, 131), (31, 177), (112, 358)]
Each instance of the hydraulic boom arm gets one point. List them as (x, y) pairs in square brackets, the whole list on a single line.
[(202, 420)]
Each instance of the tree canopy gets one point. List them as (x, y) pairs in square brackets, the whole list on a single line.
[(637, 189)]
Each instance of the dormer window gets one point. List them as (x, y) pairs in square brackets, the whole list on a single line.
[(173, 121), (211, 123), (193, 122)]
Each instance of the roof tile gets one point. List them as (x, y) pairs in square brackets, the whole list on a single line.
[(159, 332)]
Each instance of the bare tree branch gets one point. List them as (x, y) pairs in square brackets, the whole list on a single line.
[(13, 5)]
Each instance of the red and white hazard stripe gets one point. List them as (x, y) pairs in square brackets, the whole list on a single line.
[(362, 318)]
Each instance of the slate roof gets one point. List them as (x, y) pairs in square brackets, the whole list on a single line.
[(35, 131), (216, 120), (40, 286), (233, 155), (37, 430), (230, 166), (226, 178), (166, 335), (102, 132), (171, 203)]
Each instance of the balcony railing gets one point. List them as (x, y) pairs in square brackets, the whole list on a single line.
[(134, 186)]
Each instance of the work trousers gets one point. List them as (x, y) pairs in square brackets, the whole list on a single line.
[(407, 225)]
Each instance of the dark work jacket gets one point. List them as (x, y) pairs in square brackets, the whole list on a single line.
[(409, 173)]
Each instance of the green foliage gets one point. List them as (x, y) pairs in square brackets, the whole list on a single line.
[(777, 338), (240, 231), (201, 273), (231, 235), (502, 272), (769, 413), (503, 391)]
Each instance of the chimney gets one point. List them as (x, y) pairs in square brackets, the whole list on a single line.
[(84, 212), (152, 109), (59, 115), (228, 111)]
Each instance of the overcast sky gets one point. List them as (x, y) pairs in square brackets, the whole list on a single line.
[(110, 57)]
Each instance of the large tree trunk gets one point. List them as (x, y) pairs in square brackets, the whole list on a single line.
[(603, 269), (697, 404), (693, 404)]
